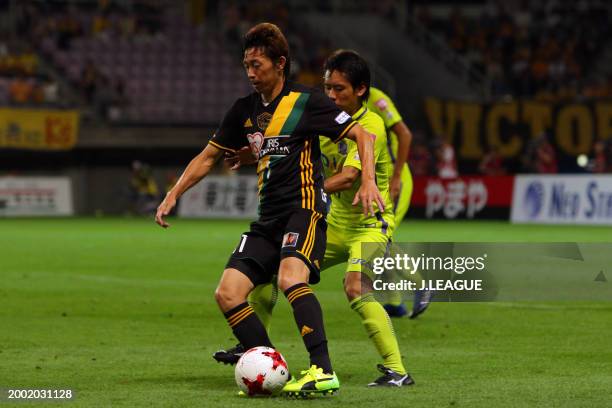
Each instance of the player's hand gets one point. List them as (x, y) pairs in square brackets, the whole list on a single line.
[(164, 209), (368, 194), (241, 157), (395, 186)]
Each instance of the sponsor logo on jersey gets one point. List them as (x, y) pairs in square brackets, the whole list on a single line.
[(273, 146), (342, 117), (290, 239), (256, 141), (381, 104)]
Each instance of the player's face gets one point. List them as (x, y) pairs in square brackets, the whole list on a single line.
[(340, 90), (262, 72)]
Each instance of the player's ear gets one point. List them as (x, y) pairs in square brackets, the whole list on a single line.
[(361, 90), (280, 64)]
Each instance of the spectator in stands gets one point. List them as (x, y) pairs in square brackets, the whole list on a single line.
[(144, 192), (445, 159), (27, 62), (546, 157), (20, 90), (602, 160), (68, 27), (50, 90), (419, 160), (492, 164), (89, 80)]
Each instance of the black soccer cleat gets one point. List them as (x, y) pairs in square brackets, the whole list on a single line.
[(391, 379), (395, 310), (422, 298), (231, 355)]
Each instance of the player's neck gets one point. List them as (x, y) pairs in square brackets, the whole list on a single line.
[(268, 97), (352, 109)]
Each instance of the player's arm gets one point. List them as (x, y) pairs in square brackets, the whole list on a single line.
[(368, 192), (404, 140), (342, 180), (195, 171)]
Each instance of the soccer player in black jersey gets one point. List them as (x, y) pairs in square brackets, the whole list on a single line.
[(281, 122)]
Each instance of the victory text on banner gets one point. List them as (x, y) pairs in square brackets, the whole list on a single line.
[(38, 129), (474, 127), (221, 197), (462, 197), (567, 199), (35, 196)]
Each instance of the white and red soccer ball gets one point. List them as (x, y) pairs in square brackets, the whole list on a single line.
[(261, 371)]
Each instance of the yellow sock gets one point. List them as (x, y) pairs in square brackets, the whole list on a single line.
[(378, 326), (263, 299)]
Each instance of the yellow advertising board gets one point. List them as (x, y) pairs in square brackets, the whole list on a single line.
[(40, 129)]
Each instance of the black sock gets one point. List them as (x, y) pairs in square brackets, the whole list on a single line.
[(247, 327), (309, 319)]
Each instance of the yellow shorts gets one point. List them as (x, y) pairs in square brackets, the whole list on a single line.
[(345, 245)]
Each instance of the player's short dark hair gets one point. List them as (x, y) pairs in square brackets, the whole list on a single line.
[(271, 40), (354, 67)]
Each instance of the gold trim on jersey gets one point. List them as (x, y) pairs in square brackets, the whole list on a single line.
[(349, 127), (218, 146), (281, 113)]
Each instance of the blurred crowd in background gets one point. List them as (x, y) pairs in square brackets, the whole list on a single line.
[(148, 61), (543, 49)]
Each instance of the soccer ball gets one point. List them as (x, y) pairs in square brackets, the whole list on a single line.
[(261, 371)]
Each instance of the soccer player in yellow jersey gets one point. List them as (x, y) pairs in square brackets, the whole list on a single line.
[(347, 80), (399, 139)]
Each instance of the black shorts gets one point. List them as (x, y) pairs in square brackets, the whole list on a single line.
[(301, 234)]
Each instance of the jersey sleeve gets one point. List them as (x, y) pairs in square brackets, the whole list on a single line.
[(373, 125), (382, 105), (326, 119), (352, 156), (230, 134)]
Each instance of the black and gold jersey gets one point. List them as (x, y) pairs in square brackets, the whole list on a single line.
[(284, 136)]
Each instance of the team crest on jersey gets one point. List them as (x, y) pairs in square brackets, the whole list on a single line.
[(263, 120), (256, 141), (290, 239)]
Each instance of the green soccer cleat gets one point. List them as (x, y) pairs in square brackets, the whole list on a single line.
[(313, 383)]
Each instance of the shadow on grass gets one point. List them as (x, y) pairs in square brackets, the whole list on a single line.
[(202, 382)]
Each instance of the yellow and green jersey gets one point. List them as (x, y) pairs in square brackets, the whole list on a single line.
[(335, 156), (379, 103)]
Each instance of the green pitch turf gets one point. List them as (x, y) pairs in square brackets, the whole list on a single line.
[(122, 312)]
